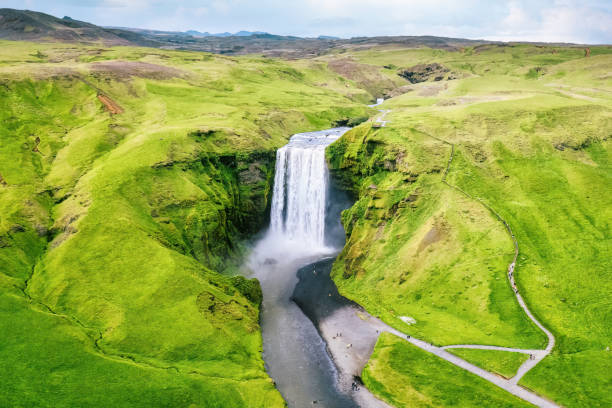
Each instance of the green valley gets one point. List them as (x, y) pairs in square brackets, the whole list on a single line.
[(115, 226), (134, 179)]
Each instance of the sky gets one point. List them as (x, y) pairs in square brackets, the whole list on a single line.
[(577, 21)]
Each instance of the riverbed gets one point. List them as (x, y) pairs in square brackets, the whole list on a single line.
[(315, 342), (295, 354)]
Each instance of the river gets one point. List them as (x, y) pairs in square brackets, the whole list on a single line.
[(295, 354), (305, 321), (315, 341)]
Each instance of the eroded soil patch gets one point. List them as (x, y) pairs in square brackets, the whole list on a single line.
[(128, 69), (110, 105)]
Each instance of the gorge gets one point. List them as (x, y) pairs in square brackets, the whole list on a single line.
[(166, 242), (295, 354)]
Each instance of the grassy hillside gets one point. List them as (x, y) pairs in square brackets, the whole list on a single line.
[(531, 132), (129, 178), (32, 25), (504, 363), (406, 376)]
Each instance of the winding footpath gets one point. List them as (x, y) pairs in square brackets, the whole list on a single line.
[(538, 355), (510, 385)]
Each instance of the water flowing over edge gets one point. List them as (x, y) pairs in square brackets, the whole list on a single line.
[(295, 354), (299, 199)]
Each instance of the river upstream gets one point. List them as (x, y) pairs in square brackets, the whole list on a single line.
[(303, 316)]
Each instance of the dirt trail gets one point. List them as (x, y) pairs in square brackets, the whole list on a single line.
[(110, 105), (540, 354), (358, 334)]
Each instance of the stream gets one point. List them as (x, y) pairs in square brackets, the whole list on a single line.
[(292, 262)]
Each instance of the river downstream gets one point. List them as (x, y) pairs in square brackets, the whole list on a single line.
[(295, 354), (315, 342)]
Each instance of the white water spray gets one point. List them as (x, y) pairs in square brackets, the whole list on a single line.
[(295, 354), (299, 198)]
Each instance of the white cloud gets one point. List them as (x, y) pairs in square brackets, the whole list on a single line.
[(133, 4), (587, 21), (564, 21), (200, 11), (222, 7)]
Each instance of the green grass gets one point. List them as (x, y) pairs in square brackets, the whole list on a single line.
[(537, 151), (122, 223), (406, 376), (565, 253), (504, 363), (124, 229), (433, 254), (513, 59), (54, 364)]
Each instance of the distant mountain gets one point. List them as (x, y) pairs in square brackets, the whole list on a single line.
[(198, 33), (248, 33), (29, 25), (238, 34), (192, 33), (32, 25)]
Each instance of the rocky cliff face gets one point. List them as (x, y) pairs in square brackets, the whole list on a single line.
[(238, 190), (426, 72)]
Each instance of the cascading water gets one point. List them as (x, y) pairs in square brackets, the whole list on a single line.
[(299, 199), (295, 354), (300, 191)]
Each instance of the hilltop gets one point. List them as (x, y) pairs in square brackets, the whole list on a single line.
[(26, 25)]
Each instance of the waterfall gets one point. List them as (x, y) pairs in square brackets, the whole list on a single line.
[(299, 197), (302, 201), (300, 190)]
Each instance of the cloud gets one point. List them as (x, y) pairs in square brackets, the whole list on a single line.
[(325, 23), (130, 4), (563, 21), (586, 21), (222, 7)]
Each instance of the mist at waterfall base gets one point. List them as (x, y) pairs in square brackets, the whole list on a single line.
[(306, 207), (304, 228)]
